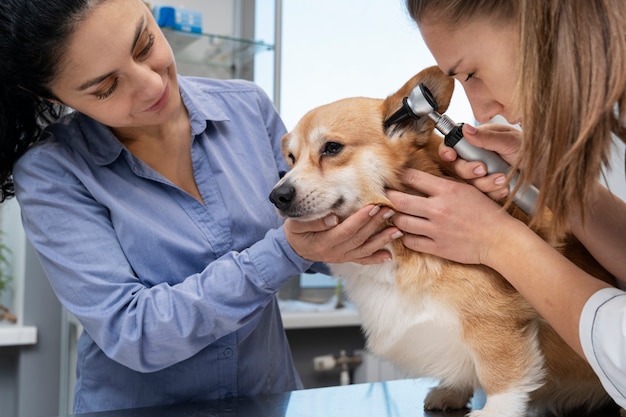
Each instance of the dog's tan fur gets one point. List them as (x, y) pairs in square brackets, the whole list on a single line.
[(462, 324)]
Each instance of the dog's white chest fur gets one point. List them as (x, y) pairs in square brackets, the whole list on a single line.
[(420, 335)]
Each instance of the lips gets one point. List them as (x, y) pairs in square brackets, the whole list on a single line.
[(161, 102)]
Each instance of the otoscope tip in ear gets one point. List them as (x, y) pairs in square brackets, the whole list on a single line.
[(403, 113)]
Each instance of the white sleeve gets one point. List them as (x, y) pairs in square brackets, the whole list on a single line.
[(602, 332)]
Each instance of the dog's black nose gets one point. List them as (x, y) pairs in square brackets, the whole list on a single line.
[(282, 196)]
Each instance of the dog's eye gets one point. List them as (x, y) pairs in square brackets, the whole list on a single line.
[(332, 148), (292, 158)]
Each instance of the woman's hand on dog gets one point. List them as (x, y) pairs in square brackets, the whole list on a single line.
[(353, 240), (450, 219), (502, 139)]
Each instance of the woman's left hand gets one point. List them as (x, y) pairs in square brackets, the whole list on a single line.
[(451, 219), (355, 239)]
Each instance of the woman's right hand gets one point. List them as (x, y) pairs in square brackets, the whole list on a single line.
[(502, 139)]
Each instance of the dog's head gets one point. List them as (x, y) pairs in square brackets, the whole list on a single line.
[(342, 157)]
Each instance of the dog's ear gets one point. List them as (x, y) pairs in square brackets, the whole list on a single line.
[(439, 84)]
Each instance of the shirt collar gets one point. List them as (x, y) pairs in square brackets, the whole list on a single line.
[(202, 108)]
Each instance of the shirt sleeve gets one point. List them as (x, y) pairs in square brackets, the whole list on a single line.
[(603, 338)]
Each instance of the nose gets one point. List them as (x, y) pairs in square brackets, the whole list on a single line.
[(485, 111), (484, 106), (283, 195), (148, 83)]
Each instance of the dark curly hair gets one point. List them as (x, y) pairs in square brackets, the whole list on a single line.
[(33, 38)]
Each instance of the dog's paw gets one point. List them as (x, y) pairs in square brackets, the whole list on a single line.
[(511, 403), (447, 398)]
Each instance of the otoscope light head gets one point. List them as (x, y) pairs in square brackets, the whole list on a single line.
[(401, 115), (422, 101)]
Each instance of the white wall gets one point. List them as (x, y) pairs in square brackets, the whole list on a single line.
[(337, 49), (616, 175)]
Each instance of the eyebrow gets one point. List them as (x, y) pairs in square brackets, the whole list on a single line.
[(101, 78)]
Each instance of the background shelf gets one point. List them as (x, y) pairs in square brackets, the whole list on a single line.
[(216, 56)]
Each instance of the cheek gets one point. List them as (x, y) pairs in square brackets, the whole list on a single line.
[(112, 114), (504, 79), (503, 89), (116, 112)]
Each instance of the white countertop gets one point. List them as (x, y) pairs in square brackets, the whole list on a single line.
[(304, 315), (16, 335)]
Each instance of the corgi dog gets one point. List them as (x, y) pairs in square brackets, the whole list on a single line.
[(463, 325)]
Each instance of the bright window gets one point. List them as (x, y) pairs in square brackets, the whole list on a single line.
[(336, 49)]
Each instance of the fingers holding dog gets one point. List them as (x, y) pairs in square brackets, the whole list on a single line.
[(434, 223), (353, 240)]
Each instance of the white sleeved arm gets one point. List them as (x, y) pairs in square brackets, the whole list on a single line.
[(602, 331)]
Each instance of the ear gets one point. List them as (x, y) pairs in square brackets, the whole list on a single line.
[(439, 84)]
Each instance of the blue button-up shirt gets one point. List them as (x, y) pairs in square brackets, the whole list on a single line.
[(177, 297)]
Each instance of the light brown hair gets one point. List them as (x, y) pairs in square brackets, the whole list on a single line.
[(571, 89)]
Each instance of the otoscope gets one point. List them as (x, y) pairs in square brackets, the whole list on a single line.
[(421, 102)]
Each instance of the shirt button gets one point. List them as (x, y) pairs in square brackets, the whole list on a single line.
[(228, 352)]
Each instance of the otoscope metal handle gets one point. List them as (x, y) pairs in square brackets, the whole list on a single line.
[(470, 152), (525, 198)]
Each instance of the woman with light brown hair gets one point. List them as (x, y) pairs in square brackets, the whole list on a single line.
[(559, 69)]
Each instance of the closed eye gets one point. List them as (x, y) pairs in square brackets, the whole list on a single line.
[(142, 54), (110, 90)]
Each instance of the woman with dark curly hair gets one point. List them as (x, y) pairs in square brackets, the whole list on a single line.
[(147, 205)]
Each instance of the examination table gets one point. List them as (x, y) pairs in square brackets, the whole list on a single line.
[(399, 398)]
